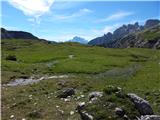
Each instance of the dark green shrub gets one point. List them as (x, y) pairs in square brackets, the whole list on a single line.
[(35, 114), (111, 89)]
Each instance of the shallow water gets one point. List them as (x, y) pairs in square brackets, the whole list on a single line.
[(31, 80)]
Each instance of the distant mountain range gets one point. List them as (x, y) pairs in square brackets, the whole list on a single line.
[(79, 40), (131, 36)]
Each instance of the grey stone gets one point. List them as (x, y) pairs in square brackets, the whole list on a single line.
[(150, 117), (85, 116), (142, 105)]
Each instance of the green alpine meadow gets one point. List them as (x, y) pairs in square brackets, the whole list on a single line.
[(113, 74)]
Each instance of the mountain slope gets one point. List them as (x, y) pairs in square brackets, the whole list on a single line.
[(5, 34)]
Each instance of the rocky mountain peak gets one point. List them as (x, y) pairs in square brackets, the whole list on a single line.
[(151, 22), (79, 40), (126, 29)]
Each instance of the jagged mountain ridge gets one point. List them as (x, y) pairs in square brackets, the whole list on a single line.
[(117, 34), (111, 40)]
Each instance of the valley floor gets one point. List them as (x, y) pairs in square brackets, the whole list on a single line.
[(83, 68)]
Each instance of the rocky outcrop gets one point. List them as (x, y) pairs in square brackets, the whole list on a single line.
[(142, 105), (5, 34)]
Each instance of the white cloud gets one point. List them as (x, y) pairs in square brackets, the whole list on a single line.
[(116, 16), (32, 8), (79, 13)]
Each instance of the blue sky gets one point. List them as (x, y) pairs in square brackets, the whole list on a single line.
[(62, 20)]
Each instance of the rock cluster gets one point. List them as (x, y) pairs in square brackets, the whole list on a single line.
[(142, 106)]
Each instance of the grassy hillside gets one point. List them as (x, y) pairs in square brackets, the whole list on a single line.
[(89, 69)]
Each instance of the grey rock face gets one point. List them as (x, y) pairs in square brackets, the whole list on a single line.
[(142, 105), (66, 92), (126, 29), (150, 117)]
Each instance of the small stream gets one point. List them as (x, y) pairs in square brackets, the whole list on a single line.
[(31, 80)]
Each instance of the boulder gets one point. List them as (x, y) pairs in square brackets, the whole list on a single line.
[(95, 94), (150, 117), (142, 105), (66, 92)]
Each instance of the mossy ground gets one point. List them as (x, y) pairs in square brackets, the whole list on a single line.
[(135, 70)]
